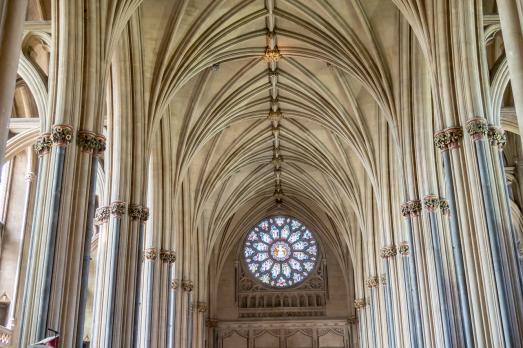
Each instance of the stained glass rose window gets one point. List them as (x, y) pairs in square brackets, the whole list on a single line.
[(280, 251)]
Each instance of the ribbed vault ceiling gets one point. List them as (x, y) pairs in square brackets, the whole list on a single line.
[(213, 91)]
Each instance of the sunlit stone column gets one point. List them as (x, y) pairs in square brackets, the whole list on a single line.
[(200, 334), (187, 312), (409, 210), (29, 179), (446, 140), (478, 128), (359, 305), (386, 254), (372, 283), (431, 204), (150, 256)]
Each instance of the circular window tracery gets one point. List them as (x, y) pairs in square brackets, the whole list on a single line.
[(280, 251)]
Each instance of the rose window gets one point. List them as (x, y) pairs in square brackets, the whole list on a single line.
[(280, 251)]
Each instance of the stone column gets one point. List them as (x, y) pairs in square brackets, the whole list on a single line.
[(373, 283), (171, 316), (12, 18), (42, 148), (359, 305), (142, 214), (29, 179), (93, 145), (187, 286), (447, 140), (202, 309), (150, 256), (386, 253), (478, 128), (431, 204), (61, 136), (513, 39), (409, 210)]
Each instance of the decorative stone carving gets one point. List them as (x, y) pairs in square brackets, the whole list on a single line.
[(150, 254), (431, 203), (388, 251), (145, 214), (449, 138), (405, 210), (477, 128), (174, 284), (102, 215), (167, 256), (187, 285), (87, 141), (275, 116), (497, 137), (404, 248), (444, 206), (414, 207), (135, 211), (201, 307), (118, 208), (43, 144), (373, 282), (62, 134), (360, 303), (272, 54), (30, 177), (101, 145)]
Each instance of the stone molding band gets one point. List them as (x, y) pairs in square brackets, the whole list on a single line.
[(477, 127)]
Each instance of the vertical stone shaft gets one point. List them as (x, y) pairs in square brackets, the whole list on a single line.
[(12, 17), (30, 177)]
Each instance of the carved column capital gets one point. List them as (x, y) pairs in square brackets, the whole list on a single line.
[(444, 206), (43, 144), (61, 134), (187, 285), (414, 207), (360, 303), (202, 307), (145, 214), (102, 215), (388, 251), (477, 128), (86, 141), (174, 284), (150, 254), (167, 256), (405, 210), (431, 203), (449, 138), (373, 282), (101, 145), (497, 136), (118, 208), (135, 211), (404, 249)]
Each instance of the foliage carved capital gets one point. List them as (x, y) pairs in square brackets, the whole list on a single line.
[(388, 251), (43, 144), (62, 134), (497, 136), (102, 215), (477, 128), (360, 303)]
